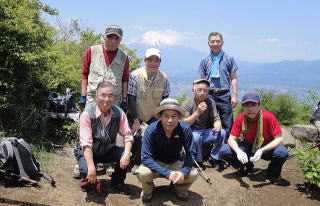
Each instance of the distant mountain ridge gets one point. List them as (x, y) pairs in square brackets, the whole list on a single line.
[(182, 64)]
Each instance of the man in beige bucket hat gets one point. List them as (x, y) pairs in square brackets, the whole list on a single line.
[(161, 152)]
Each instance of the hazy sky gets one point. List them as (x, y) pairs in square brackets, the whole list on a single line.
[(255, 31)]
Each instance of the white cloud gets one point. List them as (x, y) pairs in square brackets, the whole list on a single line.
[(167, 37), (268, 40)]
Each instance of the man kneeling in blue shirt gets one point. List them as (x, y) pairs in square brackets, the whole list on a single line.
[(162, 144)]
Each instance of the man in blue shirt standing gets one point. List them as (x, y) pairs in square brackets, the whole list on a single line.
[(220, 70), (162, 144)]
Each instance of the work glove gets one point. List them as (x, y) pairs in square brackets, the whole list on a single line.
[(83, 100), (256, 156), (214, 132), (124, 106), (242, 157)]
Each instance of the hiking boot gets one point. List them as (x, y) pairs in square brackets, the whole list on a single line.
[(248, 167), (76, 172), (245, 170), (200, 164), (241, 173), (145, 197), (279, 181), (134, 169), (221, 165), (181, 195), (212, 162), (120, 187), (101, 168)]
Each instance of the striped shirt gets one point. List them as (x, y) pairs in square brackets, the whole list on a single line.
[(132, 86)]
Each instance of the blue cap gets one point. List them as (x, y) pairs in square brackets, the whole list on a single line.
[(250, 97)]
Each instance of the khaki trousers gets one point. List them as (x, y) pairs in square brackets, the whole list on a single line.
[(146, 176)]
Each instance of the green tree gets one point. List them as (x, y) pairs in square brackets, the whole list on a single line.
[(24, 39), (134, 61), (181, 98), (285, 107), (66, 57)]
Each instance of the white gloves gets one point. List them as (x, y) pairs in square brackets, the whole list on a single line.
[(256, 156), (242, 157)]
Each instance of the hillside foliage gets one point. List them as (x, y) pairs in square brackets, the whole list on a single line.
[(35, 58), (286, 108)]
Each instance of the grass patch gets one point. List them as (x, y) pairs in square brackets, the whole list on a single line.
[(44, 157)]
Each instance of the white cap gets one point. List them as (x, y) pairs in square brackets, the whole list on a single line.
[(153, 52)]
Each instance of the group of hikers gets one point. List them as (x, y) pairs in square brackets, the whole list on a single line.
[(178, 137)]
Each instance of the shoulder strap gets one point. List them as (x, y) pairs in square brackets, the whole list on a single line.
[(91, 109), (9, 149), (17, 155), (116, 111), (25, 145)]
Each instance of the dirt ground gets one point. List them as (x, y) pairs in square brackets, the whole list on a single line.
[(226, 189)]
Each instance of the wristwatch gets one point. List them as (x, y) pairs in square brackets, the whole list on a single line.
[(127, 153)]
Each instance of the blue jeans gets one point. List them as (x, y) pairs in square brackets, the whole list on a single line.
[(203, 137), (224, 107), (277, 156), (113, 155)]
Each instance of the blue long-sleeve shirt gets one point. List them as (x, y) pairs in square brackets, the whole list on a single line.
[(156, 146)]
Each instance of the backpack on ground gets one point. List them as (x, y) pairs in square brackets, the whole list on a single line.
[(17, 162), (62, 103), (315, 120), (316, 115)]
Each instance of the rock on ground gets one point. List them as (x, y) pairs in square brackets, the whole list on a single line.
[(305, 132), (288, 139)]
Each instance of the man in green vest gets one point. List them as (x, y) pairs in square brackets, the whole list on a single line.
[(147, 87), (106, 62)]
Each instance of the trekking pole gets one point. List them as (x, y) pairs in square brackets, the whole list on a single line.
[(202, 174), (18, 176), (314, 146)]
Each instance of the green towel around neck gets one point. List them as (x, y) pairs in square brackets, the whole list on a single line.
[(258, 141)]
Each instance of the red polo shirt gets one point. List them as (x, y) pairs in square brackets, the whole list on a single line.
[(271, 128)]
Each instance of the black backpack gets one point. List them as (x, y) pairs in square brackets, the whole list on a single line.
[(17, 162), (316, 115), (62, 104)]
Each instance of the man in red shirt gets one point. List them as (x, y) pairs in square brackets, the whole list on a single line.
[(256, 134), (106, 62)]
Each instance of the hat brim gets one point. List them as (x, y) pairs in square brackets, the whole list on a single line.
[(156, 55), (169, 107), (114, 33), (250, 100), (201, 81)]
